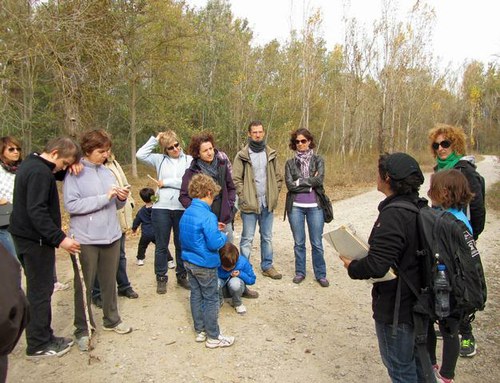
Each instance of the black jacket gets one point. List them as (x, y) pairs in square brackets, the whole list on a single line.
[(36, 215), (477, 212), (14, 311), (315, 181), (393, 243)]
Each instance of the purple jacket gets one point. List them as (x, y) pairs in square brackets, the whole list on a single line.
[(224, 180)]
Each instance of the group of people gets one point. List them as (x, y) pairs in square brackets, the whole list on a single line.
[(197, 195), (393, 243)]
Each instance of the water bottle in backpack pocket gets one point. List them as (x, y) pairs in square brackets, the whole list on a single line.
[(442, 290)]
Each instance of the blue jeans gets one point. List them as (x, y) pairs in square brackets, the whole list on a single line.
[(398, 353), (164, 221), (7, 242), (204, 298), (121, 275), (231, 288), (315, 223), (265, 220)]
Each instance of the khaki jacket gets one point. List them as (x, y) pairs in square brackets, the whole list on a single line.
[(125, 214), (243, 178)]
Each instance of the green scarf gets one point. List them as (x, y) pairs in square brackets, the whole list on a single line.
[(449, 162)]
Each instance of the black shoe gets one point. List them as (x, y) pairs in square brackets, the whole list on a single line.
[(183, 282), (62, 340), (129, 293), (161, 285), (51, 350), (97, 301)]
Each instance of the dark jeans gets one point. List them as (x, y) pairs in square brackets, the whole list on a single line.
[(399, 353), (451, 345), (164, 221), (121, 274), (38, 262), (144, 242)]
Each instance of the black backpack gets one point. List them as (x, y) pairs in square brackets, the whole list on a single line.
[(445, 239), (441, 233)]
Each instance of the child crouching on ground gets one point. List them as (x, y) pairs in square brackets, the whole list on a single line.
[(143, 219), (201, 240), (235, 273)]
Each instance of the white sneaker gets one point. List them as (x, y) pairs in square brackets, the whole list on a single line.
[(58, 286), (121, 328), (140, 262), (171, 264), (201, 336), (83, 343), (241, 309), (221, 341)]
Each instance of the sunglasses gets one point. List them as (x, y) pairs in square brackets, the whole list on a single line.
[(303, 141), (14, 149), (174, 146), (445, 144)]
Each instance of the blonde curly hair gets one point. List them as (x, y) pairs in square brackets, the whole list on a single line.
[(454, 134)]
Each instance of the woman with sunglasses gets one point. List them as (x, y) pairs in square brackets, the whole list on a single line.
[(170, 166), (448, 145), (304, 176), (10, 159)]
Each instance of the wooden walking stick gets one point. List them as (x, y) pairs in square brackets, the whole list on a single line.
[(85, 303)]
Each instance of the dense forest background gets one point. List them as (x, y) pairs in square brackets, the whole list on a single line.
[(135, 67)]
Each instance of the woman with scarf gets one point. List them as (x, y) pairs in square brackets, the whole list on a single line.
[(10, 159), (448, 147), (210, 161), (304, 176)]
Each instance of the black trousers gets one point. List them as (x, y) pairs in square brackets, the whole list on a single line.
[(144, 242), (38, 261)]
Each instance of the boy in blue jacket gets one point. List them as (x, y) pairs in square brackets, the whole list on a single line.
[(201, 240), (143, 219), (235, 273)]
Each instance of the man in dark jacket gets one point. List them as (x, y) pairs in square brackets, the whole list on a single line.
[(13, 308), (35, 225), (393, 244)]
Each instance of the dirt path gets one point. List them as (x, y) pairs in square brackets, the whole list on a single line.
[(291, 333)]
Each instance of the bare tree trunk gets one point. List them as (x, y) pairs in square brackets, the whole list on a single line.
[(133, 126)]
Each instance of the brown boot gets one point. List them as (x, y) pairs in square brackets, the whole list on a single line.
[(272, 273), (250, 294)]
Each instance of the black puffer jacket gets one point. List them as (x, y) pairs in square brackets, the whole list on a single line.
[(393, 243)]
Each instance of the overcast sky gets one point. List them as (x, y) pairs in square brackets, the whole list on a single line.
[(465, 29)]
